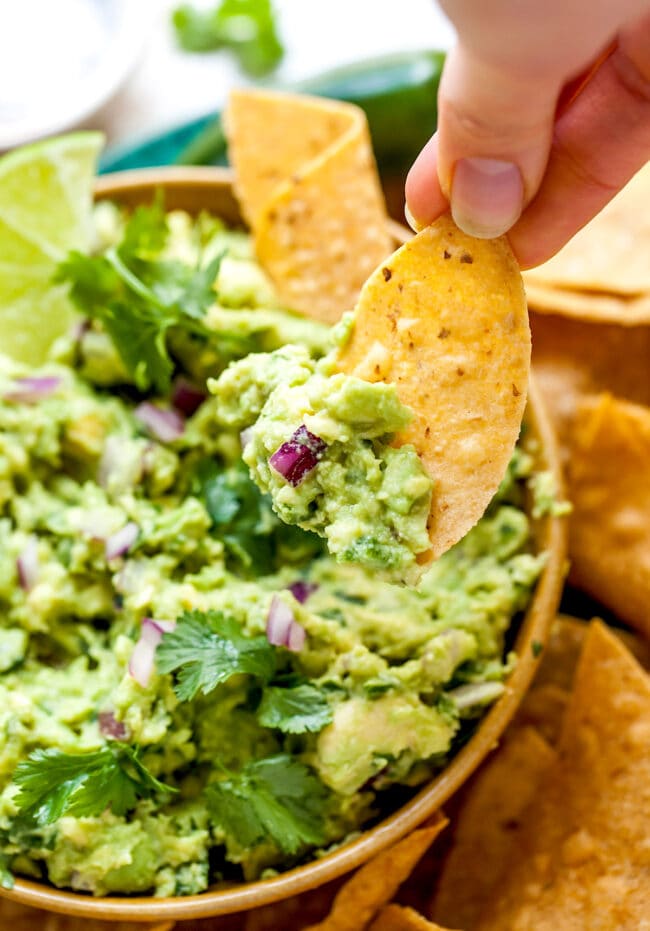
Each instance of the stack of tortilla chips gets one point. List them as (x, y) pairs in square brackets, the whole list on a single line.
[(590, 318)]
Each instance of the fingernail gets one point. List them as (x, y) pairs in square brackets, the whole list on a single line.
[(415, 225), (487, 196)]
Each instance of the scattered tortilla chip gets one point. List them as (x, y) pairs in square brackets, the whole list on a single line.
[(563, 648), (492, 809), (611, 253), (609, 532), (581, 853), (572, 358), (308, 186), (445, 320), (290, 914), (543, 709), (597, 307), (401, 918), (375, 883), (23, 918)]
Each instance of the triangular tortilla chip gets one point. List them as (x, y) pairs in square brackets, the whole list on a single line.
[(445, 320), (611, 252), (308, 185), (375, 884), (609, 532), (581, 854), (492, 807), (401, 918)]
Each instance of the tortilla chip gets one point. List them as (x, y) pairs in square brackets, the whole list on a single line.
[(445, 320), (596, 307), (543, 709), (610, 253), (563, 648), (572, 358), (308, 186), (290, 914), (580, 856), (492, 809), (401, 918), (375, 883), (609, 532), (23, 918)]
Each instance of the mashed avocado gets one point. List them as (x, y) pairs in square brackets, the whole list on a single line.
[(318, 443), (192, 691)]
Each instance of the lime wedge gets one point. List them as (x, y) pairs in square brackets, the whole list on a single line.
[(45, 210)]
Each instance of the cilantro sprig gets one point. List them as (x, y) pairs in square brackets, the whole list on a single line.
[(53, 783), (207, 648), (245, 27), (139, 297), (277, 798)]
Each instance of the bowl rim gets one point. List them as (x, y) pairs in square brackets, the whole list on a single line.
[(551, 532)]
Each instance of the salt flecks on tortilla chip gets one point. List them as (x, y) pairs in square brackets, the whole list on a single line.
[(375, 883), (611, 253), (308, 185), (582, 852), (445, 320), (401, 918), (609, 531), (492, 807)]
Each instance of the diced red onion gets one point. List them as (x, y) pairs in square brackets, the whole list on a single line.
[(299, 456), (109, 726), (33, 389), (245, 437), (144, 652), (121, 542), (164, 424), (187, 397), (297, 637), (27, 565), (282, 629), (301, 590)]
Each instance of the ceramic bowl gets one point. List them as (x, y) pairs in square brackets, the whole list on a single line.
[(194, 189)]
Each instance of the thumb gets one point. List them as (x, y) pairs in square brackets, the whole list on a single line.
[(494, 137)]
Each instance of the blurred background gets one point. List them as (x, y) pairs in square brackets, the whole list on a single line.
[(157, 71)]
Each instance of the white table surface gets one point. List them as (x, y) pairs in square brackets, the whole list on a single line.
[(169, 86)]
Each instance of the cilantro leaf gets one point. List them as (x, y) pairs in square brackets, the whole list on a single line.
[(139, 298), (298, 710), (277, 798), (246, 27), (207, 648), (53, 783)]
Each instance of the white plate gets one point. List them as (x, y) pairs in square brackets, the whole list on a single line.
[(60, 60)]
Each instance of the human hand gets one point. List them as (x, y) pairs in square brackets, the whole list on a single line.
[(544, 115)]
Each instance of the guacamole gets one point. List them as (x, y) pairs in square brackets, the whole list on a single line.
[(318, 442), (192, 691)]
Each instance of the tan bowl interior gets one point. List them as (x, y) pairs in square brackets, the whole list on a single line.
[(194, 189)]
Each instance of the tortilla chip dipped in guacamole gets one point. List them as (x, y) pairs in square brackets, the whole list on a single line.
[(393, 445)]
